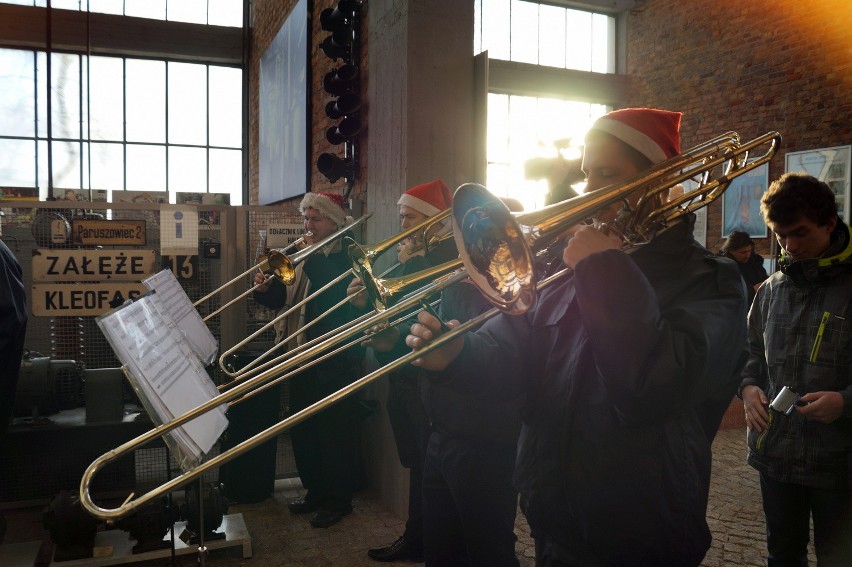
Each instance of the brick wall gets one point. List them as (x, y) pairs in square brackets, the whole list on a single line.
[(267, 18), (783, 65)]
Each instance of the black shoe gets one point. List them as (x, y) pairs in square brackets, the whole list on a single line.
[(302, 506), (327, 518), (402, 548)]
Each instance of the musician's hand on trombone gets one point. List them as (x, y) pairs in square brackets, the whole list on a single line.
[(587, 240), (409, 248), (429, 328), (381, 338), (261, 282), (357, 294)]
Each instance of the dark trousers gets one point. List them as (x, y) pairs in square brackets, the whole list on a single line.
[(325, 446), (788, 509), (410, 431), (469, 502)]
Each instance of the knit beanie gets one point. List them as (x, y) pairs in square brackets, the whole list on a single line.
[(653, 133), (429, 198), (330, 205)]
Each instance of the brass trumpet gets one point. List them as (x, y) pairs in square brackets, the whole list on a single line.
[(497, 249)]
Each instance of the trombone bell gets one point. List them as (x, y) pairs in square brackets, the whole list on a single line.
[(282, 267), (498, 259)]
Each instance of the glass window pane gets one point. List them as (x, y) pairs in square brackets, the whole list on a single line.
[(106, 6), (17, 163), (41, 94), (187, 103), (187, 170), (41, 165), (524, 38), (17, 93), (191, 11), (66, 165), (20, 2), (578, 47), (107, 166), (226, 100), (551, 38), (226, 174), (495, 28), (603, 38), (528, 127), (106, 97), (146, 101), (146, 168), (225, 13), (65, 87), (66, 4), (154, 9), (498, 128)]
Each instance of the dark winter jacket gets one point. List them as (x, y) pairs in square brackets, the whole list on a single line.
[(454, 410), (627, 367), (13, 326), (753, 273), (800, 335)]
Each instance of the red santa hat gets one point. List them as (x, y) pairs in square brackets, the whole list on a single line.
[(653, 133), (429, 198), (330, 205)]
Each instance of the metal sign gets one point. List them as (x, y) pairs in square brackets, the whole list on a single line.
[(279, 235), (57, 300), (92, 265), (108, 232), (185, 268)]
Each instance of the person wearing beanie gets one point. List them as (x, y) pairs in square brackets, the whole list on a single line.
[(799, 340), (627, 367), (739, 247), (326, 446), (447, 437)]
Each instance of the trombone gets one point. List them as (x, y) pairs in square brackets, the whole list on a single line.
[(381, 291), (282, 265), (497, 249)]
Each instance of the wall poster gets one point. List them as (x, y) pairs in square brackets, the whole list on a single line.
[(826, 164)]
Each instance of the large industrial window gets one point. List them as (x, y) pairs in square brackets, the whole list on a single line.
[(119, 123), (98, 122), (212, 12), (522, 124)]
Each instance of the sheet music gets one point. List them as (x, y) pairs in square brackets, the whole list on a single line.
[(175, 302), (162, 367)]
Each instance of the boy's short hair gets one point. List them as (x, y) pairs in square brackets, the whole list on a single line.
[(796, 195)]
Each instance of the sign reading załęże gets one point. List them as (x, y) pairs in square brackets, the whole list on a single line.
[(92, 265), (86, 299)]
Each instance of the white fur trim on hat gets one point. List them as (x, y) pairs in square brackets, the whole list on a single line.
[(418, 205), (328, 208), (633, 138)]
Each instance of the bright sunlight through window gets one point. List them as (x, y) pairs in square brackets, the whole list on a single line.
[(521, 128)]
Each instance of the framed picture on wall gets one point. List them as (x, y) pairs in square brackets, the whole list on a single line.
[(826, 164), (700, 230), (741, 203)]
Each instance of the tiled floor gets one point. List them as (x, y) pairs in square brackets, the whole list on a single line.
[(282, 539)]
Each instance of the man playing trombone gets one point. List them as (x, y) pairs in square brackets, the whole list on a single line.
[(405, 411), (628, 365), (326, 445)]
